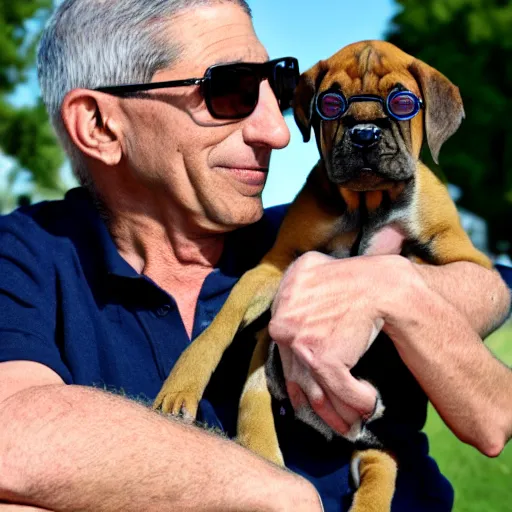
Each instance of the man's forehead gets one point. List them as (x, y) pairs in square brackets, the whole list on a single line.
[(197, 66), (219, 34), (247, 56), (224, 50)]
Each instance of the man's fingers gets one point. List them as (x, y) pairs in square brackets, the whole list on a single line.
[(297, 397), (335, 412), (337, 381), (330, 389), (314, 396), (344, 411), (308, 392), (356, 394), (325, 410)]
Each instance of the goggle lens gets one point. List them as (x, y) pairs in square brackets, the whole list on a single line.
[(403, 105), (332, 105)]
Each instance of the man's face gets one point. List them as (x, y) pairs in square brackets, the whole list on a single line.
[(211, 172)]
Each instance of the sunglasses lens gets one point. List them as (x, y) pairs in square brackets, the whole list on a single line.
[(403, 105), (331, 105), (234, 91), (285, 79)]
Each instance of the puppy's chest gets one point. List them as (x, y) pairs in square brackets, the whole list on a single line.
[(353, 231)]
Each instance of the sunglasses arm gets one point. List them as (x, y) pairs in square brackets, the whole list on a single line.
[(130, 88)]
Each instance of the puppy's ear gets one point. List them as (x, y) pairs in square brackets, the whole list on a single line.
[(444, 109), (304, 98)]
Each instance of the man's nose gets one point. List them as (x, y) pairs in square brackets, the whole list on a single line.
[(266, 125), (365, 136)]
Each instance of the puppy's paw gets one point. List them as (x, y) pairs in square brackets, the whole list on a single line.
[(373, 474), (183, 404)]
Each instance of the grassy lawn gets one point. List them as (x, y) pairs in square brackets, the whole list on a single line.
[(481, 484)]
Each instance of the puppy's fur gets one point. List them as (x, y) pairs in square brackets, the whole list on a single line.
[(350, 196)]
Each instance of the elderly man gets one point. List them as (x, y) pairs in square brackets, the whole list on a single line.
[(105, 289)]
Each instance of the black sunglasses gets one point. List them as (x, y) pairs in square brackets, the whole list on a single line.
[(231, 91), (400, 104)]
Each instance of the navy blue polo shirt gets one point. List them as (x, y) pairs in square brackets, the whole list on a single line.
[(68, 300)]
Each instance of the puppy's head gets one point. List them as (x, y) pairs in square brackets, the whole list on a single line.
[(365, 149)]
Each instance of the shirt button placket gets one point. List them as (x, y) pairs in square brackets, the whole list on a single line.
[(163, 310)]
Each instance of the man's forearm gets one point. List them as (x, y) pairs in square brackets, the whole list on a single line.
[(469, 387), (74, 448), (9, 507), (478, 293)]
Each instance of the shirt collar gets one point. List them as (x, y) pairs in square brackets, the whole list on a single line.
[(243, 248), (113, 262)]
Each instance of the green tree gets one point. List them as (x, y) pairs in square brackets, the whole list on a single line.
[(470, 41), (25, 133)]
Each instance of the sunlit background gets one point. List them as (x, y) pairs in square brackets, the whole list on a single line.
[(468, 40)]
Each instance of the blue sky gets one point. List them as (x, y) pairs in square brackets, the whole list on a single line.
[(309, 30)]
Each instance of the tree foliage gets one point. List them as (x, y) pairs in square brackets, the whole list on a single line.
[(470, 41), (25, 133)]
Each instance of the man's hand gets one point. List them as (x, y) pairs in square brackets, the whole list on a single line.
[(327, 312), (324, 318)]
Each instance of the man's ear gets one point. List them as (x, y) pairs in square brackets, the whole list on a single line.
[(444, 109), (303, 102), (88, 119)]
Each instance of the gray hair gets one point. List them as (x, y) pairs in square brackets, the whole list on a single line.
[(90, 43)]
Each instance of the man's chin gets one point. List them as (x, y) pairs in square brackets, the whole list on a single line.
[(250, 212), (240, 214)]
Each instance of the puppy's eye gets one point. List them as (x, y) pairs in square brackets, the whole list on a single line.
[(331, 105)]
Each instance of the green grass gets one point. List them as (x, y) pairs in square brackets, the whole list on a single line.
[(481, 484)]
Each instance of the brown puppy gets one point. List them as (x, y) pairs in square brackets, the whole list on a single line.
[(369, 178)]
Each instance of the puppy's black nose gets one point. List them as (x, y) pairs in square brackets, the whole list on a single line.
[(365, 136)]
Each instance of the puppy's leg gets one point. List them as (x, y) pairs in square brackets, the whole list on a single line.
[(256, 430), (438, 223), (250, 297), (374, 472)]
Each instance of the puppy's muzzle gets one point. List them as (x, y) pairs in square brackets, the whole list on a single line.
[(365, 136)]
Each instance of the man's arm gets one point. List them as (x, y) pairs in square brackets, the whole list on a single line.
[(479, 294), (466, 299), (327, 311), (9, 507), (75, 448)]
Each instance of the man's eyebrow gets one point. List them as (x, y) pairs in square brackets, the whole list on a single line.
[(228, 60)]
